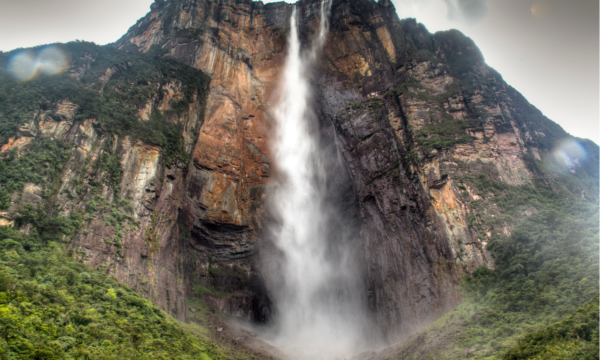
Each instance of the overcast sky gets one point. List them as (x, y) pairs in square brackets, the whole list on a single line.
[(25, 23), (547, 49)]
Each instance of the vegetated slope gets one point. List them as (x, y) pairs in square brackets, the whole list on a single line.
[(544, 270), (107, 85), (111, 101), (54, 307), (576, 337)]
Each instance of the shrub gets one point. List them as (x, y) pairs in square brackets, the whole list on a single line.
[(444, 134)]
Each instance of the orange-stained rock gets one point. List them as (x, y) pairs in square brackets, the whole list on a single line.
[(15, 143)]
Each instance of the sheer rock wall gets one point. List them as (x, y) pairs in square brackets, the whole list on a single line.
[(384, 88)]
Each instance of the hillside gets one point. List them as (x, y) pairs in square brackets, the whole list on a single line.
[(54, 307), (544, 271)]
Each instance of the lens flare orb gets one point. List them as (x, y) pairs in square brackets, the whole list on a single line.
[(52, 61), (570, 154), (27, 65), (21, 65)]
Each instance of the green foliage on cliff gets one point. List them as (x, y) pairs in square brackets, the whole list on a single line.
[(373, 104), (447, 133), (41, 164), (112, 165), (160, 132), (544, 270), (110, 97), (53, 307), (45, 227), (576, 337)]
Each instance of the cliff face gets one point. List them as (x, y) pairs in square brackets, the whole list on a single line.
[(414, 115), (105, 148), (241, 46), (417, 119)]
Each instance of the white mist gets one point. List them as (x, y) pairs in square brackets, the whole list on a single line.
[(315, 285)]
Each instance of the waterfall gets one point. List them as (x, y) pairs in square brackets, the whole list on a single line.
[(316, 285)]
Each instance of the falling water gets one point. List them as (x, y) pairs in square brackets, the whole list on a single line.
[(315, 284)]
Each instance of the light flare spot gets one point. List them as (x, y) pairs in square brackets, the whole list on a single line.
[(570, 153), (543, 9), (27, 65)]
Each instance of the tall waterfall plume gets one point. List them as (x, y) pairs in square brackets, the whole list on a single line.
[(316, 284)]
